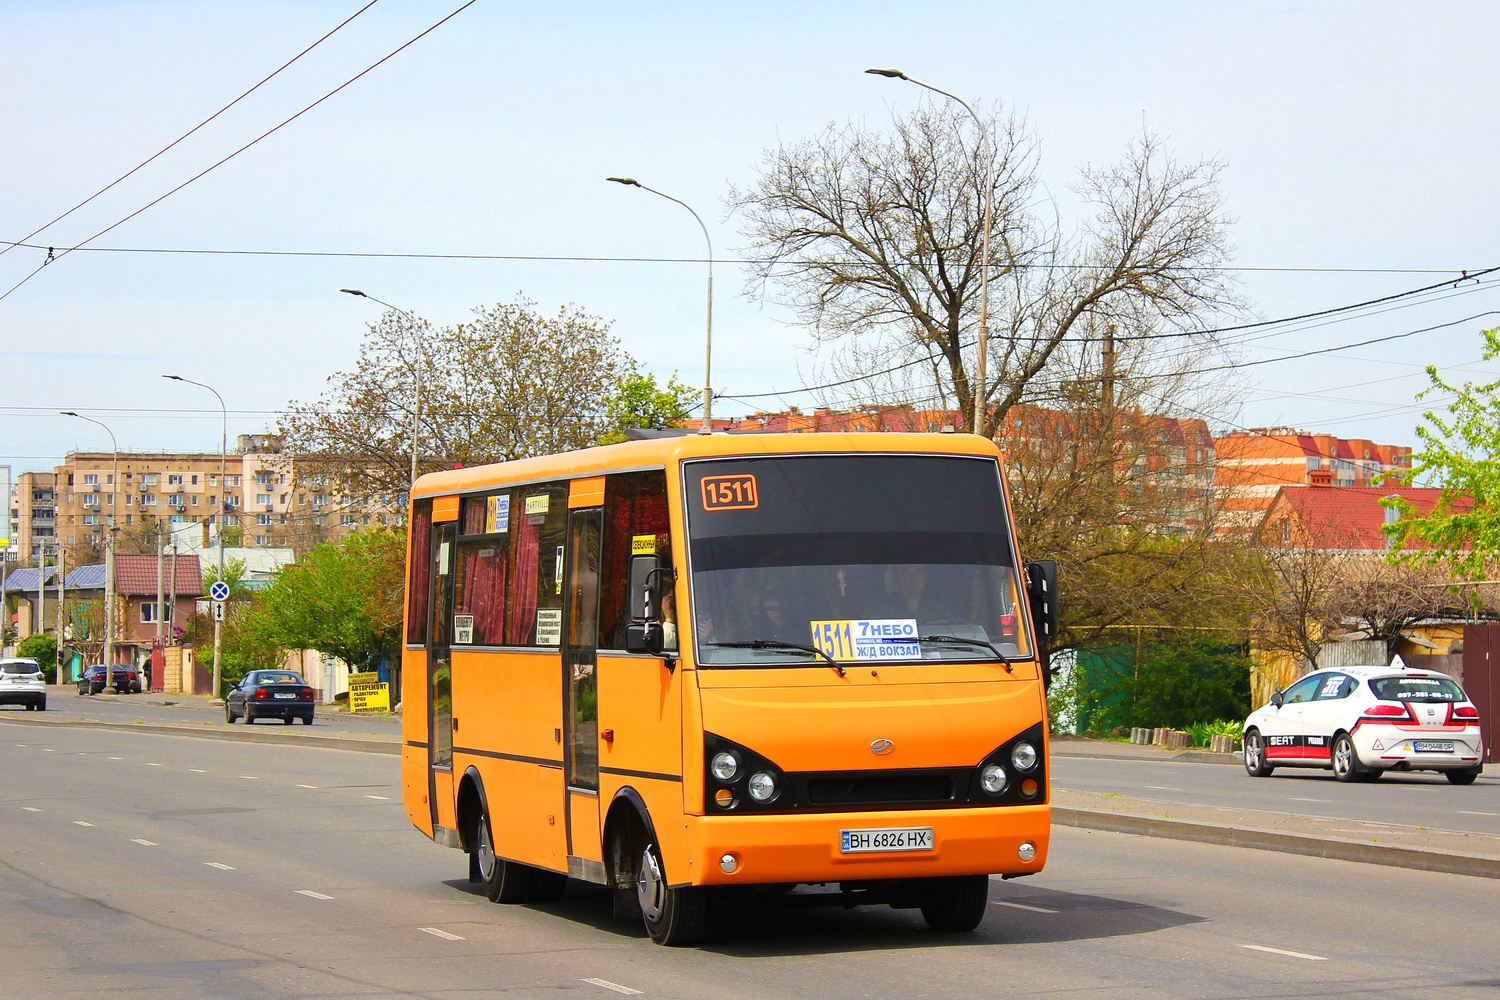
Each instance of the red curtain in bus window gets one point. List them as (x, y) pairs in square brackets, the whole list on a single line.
[(522, 623), (483, 589)]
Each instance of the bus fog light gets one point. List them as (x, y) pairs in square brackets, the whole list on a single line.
[(725, 766), (993, 779), (724, 798), (762, 786), (1024, 756), (729, 864), (1027, 851)]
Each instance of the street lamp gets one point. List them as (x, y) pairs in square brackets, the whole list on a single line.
[(416, 408), (708, 346), (980, 391), (223, 521), (109, 555)]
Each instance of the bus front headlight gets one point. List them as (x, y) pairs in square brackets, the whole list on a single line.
[(725, 766), (993, 779), (1024, 756), (762, 786)]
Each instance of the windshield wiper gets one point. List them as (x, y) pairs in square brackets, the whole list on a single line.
[(777, 646), (954, 640)]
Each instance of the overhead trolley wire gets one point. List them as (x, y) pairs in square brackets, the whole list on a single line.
[(51, 257), (6, 248)]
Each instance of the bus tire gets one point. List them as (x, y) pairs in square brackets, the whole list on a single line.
[(675, 917), (955, 904), (503, 881)]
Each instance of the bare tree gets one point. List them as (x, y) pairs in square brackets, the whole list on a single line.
[(868, 233)]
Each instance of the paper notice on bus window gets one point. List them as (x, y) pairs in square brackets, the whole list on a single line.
[(539, 503), (549, 626), (868, 639), (463, 629), (497, 514), (642, 545)]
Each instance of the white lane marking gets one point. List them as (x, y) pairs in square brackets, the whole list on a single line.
[(23, 745), (1466, 812), (197, 770), (307, 786), (215, 864), (1023, 906), (313, 895), (383, 798), (1283, 951), (143, 843), (114, 758), (1163, 788), (31, 809), (79, 822), (612, 986), (48, 750), (150, 764), (250, 777), (437, 933), (1296, 799)]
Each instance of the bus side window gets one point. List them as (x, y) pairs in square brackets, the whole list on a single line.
[(635, 522), (418, 586)]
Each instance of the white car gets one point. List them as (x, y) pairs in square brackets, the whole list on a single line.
[(1364, 721), (23, 683)]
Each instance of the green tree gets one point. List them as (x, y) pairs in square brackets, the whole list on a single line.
[(512, 383), (343, 598), (234, 575), (43, 649), (1459, 454), (638, 402)]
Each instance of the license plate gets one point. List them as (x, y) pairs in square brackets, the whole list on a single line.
[(283, 694), (1433, 746), (908, 838)]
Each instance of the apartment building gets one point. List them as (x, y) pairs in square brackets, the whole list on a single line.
[(1251, 466), (265, 504)]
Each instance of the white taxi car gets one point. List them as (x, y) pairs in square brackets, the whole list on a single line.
[(23, 683), (1363, 721)]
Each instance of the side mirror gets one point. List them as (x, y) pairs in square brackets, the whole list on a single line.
[(1277, 699), (1041, 594), (644, 633)]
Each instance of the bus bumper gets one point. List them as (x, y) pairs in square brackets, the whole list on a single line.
[(783, 848)]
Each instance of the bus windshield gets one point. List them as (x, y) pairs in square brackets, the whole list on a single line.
[(857, 558)]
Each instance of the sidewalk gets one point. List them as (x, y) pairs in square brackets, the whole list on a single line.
[(1348, 840)]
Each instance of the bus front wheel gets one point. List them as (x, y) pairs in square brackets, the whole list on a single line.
[(955, 904), (674, 916), (504, 881)]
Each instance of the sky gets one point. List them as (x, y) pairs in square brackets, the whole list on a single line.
[(469, 168)]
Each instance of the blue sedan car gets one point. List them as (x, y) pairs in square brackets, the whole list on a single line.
[(270, 694)]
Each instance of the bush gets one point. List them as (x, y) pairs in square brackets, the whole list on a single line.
[(43, 649), (1162, 685)]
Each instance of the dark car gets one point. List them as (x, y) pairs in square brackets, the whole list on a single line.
[(270, 694), (96, 677)]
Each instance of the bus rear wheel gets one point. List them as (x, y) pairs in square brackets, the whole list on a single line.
[(503, 881), (675, 917), (955, 904)]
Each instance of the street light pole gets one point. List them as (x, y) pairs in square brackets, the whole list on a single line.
[(416, 407), (223, 522), (708, 342), (109, 555), (981, 392)]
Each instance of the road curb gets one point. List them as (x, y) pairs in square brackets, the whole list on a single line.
[(243, 734), (1393, 856)]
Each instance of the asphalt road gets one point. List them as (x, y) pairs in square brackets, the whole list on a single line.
[(136, 864), (1420, 800)]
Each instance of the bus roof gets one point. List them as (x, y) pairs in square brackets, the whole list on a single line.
[(660, 452)]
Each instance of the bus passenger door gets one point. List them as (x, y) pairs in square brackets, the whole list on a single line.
[(581, 706), (440, 676)]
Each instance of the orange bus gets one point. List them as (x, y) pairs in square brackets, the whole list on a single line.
[(698, 669)]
